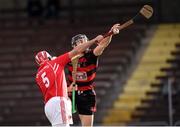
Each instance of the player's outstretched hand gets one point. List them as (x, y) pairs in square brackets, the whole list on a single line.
[(115, 28)]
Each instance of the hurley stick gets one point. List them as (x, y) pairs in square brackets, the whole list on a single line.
[(74, 62), (145, 12)]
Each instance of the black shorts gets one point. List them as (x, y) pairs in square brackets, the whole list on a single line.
[(86, 102)]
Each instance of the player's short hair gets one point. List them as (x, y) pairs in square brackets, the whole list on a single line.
[(77, 37), (42, 56)]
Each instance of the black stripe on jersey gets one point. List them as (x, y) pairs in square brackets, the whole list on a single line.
[(89, 73), (84, 83), (82, 64)]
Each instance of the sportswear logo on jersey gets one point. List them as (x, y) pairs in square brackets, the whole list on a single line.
[(81, 76)]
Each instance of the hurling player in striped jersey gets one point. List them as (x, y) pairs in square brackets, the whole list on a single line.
[(85, 97)]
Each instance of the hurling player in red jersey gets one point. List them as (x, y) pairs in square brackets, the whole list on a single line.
[(51, 80), (86, 73)]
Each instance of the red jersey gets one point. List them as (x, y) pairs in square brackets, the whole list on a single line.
[(51, 77)]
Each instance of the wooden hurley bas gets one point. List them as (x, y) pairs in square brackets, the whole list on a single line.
[(74, 62), (146, 12)]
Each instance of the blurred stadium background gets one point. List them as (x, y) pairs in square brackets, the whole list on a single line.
[(138, 80)]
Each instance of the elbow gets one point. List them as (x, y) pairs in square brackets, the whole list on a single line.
[(98, 54)]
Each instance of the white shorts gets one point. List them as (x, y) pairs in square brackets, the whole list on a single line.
[(58, 111)]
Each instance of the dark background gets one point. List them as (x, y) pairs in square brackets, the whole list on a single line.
[(164, 10)]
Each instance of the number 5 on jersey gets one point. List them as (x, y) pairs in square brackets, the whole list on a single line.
[(45, 79)]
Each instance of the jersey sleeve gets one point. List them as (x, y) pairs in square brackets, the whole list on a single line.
[(63, 59)]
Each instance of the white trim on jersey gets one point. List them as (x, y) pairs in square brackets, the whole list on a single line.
[(55, 68)]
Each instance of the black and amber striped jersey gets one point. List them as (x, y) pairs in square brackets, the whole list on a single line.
[(86, 71)]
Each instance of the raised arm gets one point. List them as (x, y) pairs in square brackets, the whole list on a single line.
[(105, 42), (82, 47)]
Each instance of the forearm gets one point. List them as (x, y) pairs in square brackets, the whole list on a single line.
[(81, 48), (105, 42), (102, 45)]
